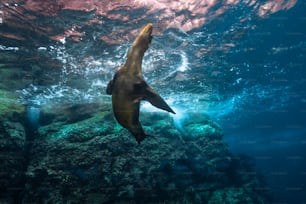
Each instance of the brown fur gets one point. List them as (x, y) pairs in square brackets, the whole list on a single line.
[(128, 87)]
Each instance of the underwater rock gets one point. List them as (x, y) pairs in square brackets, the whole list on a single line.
[(94, 160), (235, 195), (76, 123), (197, 125), (12, 156), (69, 113), (231, 195)]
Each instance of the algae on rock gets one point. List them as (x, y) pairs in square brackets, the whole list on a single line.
[(9, 103), (96, 161)]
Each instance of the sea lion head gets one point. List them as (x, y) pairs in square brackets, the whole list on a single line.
[(144, 38)]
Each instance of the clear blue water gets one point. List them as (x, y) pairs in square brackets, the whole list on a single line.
[(246, 72)]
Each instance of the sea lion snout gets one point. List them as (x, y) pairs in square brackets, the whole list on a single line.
[(144, 38), (147, 29)]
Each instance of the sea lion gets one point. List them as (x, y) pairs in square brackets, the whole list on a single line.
[(128, 87)]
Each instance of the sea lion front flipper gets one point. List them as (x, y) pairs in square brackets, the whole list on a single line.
[(109, 88), (156, 100)]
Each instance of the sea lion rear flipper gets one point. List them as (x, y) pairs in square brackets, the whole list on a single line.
[(156, 100)]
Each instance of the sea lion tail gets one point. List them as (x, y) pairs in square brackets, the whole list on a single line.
[(140, 138)]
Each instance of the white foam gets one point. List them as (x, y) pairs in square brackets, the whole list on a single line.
[(184, 65), (5, 48)]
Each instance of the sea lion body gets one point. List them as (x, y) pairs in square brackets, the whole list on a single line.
[(128, 87)]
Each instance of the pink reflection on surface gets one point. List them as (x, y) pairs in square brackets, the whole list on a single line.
[(11, 36), (274, 6), (47, 8), (185, 15), (181, 14), (119, 36)]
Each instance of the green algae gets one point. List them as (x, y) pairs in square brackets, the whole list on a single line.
[(9, 103), (79, 131), (229, 195)]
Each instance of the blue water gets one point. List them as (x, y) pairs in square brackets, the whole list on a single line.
[(246, 72)]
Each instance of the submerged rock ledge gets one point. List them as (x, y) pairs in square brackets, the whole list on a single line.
[(80, 155)]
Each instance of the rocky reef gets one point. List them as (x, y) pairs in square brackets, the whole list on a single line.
[(79, 154), (12, 148)]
